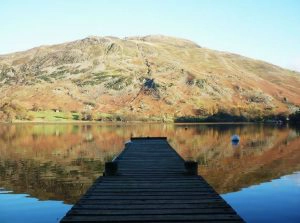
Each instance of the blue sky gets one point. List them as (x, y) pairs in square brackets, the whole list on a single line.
[(263, 29)]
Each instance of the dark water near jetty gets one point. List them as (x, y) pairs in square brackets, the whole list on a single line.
[(45, 168)]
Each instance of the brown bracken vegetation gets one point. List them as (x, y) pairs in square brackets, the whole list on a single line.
[(146, 78)]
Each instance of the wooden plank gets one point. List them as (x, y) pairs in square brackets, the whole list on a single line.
[(114, 212), (146, 187), (143, 218), (147, 184), (151, 193), (148, 197), (151, 202), (151, 190), (154, 183), (138, 179), (150, 179), (150, 206)]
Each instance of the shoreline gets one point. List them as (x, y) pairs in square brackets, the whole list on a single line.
[(132, 123)]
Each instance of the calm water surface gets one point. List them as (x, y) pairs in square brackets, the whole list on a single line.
[(45, 168)]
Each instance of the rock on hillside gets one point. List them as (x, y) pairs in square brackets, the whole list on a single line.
[(151, 76)]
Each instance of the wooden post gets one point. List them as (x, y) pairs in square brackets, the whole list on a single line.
[(111, 168), (191, 167)]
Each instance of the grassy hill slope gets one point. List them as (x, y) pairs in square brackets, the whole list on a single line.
[(151, 77)]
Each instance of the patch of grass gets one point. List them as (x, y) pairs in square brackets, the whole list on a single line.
[(50, 115), (77, 71), (59, 74), (111, 79), (118, 83), (45, 78), (76, 116), (201, 83), (93, 79)]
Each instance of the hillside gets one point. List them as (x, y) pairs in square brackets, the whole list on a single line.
[(151, 77)]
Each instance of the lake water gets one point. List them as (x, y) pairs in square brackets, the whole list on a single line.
[(45, 168)]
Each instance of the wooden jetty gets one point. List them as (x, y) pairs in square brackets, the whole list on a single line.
[(150, 182)]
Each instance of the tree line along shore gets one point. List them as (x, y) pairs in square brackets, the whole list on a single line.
[(13, 112)]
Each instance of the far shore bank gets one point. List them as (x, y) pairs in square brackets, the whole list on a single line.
[(133, 122), (62, 117)]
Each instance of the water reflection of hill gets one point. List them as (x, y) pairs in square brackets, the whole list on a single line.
[(61, 161), (270, 160)]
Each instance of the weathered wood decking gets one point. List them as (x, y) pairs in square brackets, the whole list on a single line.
[(151, 184)]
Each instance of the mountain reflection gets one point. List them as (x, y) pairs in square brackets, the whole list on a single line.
[(60, 161)]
